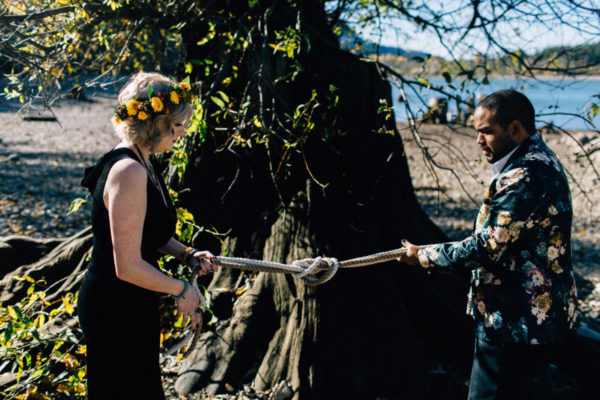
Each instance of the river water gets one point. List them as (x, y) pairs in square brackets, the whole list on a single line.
[(553, 99)]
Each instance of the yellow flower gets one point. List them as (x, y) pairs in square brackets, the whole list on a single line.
[(541, 306), (514, 229), (483, 214), (556, 239), (132, 107), (142, 115), (157, 104), (552, 253), (504, 218), (543, 302), (492, 246), (185, 86), (174, 97), (556, 267), (501, 235)]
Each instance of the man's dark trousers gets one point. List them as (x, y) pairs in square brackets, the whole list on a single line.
[(507, 370)]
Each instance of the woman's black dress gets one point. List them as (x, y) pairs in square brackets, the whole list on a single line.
[(120, 321)]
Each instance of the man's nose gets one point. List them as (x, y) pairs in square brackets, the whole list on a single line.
[(480, 139)]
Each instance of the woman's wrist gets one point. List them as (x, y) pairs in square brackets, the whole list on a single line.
[(186, 287)]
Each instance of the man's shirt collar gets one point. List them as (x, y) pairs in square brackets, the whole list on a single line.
[(498, 166)]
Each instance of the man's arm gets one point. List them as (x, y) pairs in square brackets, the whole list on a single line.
[(503, 222)]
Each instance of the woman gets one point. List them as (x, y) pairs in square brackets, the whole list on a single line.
[(132, 221)]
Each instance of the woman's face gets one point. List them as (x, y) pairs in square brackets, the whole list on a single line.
[(169, 135)]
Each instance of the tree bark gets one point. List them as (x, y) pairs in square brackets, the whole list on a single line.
[(62, 268), (350, 195)]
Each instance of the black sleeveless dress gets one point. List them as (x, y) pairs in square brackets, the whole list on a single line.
[(120, 321)]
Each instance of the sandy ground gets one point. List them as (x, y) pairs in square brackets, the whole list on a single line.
[(41, 165)]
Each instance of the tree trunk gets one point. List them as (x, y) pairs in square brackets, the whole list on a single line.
[(62, 267), (345, 196)]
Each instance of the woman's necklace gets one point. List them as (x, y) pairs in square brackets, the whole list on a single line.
[(152, 175)]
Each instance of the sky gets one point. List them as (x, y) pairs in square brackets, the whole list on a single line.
[(534, 29)]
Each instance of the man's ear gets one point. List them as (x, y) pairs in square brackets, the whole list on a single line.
[(517, 131)]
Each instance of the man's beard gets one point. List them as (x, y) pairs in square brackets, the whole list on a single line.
[(503, 147)]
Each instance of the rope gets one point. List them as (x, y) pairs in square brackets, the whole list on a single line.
[(313, 271)]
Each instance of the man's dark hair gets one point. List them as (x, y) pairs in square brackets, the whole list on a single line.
[(509, 105)]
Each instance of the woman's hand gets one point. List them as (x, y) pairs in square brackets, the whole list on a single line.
[(188, 306), (204, 261)]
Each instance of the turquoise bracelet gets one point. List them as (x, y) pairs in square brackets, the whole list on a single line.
[(186, 287)]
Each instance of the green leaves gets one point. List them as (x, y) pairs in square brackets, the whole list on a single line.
[(185, 225), (591, 111), (289, 42), (594, 108), (210, 36), (29, 351), (77, 204)]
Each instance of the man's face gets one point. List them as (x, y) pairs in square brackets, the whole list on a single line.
[(494, 141)]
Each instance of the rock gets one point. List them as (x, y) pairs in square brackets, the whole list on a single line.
[(282, 391)]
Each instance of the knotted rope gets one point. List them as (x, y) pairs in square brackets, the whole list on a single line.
[(313, 271)]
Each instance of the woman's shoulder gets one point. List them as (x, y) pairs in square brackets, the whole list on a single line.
[(127, 169)]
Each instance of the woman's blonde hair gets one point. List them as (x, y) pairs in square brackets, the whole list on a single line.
[(146, 133)]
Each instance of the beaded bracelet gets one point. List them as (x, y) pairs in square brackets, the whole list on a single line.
[(189, 252), (186, 287)]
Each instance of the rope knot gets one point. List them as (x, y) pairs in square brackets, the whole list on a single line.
[(316, 270)]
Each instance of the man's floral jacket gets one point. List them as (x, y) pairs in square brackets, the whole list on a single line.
[(522, 287)]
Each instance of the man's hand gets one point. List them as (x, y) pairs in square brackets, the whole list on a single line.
[(203, 261), (411, 256)]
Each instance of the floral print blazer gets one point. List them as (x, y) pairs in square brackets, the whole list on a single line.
[(522, 288)]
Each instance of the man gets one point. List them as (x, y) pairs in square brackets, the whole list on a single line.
[(523, 294)]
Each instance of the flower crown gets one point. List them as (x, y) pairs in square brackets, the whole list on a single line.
[(155, 104)]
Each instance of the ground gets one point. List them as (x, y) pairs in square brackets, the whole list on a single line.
[(42, 162)]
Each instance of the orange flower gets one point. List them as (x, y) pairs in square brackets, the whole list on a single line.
[(142, 115), (117, 120)]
